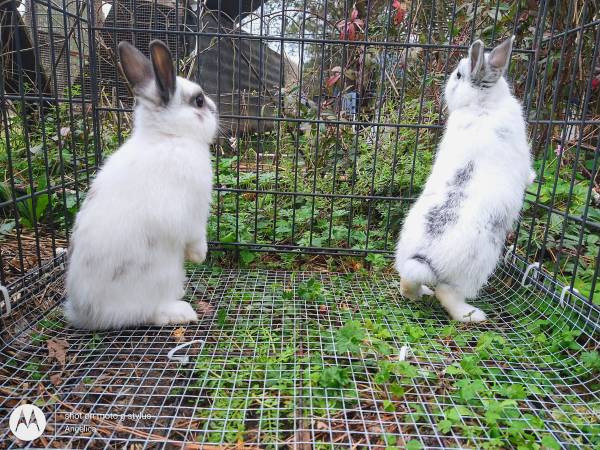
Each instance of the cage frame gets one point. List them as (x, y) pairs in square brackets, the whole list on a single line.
[(26, 306)]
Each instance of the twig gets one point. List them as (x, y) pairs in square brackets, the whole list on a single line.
[(392, 83)]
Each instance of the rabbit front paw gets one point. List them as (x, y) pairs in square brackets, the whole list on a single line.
[(196, 252)]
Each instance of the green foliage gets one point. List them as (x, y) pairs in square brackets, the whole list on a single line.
[(591, 360), (41, 152), (311, 290), (349, 337), (334, 378), (562, 188), (335, 158), (549, 442), (413, 444), (377, 261), (468, 389)]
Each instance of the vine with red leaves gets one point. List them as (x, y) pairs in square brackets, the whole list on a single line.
[(350, 27)]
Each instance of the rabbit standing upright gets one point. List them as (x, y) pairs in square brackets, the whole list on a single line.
[(148, 207), (453, 235)]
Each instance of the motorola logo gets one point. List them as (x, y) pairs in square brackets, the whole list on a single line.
[(27, 422)]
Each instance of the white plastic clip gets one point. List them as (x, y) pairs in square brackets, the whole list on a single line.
[(404, 352), (563, 293), (535, 265), (182, 359), (6, 296)]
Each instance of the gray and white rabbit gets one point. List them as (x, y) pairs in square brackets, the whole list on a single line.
[(453, 235), (147, 209)]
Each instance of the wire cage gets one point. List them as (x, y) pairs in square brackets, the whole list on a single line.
[(332, 113)]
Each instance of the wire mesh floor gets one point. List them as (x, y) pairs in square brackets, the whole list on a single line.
[(306, 360)]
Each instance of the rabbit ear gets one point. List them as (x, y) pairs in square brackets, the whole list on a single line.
[(500, 55), (163, 69), (136, 67), (476, 58)]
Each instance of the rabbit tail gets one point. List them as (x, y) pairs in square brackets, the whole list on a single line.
[(418, 269)]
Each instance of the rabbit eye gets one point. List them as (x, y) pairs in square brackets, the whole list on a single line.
[(458, 75), (199, 100)]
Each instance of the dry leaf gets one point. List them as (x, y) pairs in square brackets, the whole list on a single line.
[(322, 426), (179, 334), (56, 378), (65, 131), (57, 349), (204, 308)]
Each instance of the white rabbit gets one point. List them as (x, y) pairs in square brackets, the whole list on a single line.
[(453, 235), (148, 207)]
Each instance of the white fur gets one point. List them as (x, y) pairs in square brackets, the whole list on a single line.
[(146, 210), (486, 130)]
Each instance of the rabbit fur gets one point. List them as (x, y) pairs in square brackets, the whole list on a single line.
[(147, 209), (454, 233)]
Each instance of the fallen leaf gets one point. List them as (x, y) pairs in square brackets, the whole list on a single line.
[(205, 308), (322, 426), (57, 349), (56, 378), (65, 131), (179, 334)]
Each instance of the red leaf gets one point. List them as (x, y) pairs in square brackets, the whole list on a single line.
[(400, 12), (399, 16), (354, 14), (332, 79), (351, 31), (595, 82)]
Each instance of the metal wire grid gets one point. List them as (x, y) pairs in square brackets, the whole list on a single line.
[(545, 96), (26, 103), (201, 403), (252, 379)]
